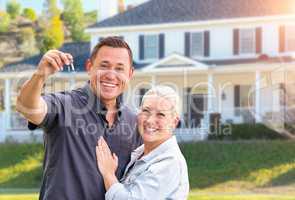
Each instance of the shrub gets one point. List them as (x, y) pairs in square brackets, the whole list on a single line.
[(13, 8), (4, 21), (30, 14), (244, 132)]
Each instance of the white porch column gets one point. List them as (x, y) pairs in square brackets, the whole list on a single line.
[(72, 82), (7, 105), (257, 96), (210, 93)]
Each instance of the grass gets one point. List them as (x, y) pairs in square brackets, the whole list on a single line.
[(245, 166), (20, 165), (34, 196), (242, 170)]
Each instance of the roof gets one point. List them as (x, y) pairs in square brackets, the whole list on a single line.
[(79, 50), (175, 11)]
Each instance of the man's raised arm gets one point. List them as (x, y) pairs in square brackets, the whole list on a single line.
[(29, 101)]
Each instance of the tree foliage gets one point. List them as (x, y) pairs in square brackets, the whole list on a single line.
[(13, 8), (50, 9), (4, 21), (73, 17), (30, 13), (53, 36), (28, 41)]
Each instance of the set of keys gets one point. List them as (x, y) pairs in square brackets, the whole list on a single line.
[(71, 67)]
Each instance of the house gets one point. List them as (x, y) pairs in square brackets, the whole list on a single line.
[(232, 57)]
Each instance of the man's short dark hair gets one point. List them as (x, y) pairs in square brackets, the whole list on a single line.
[(113, 41)]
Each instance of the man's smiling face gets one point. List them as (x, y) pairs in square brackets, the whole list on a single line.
[(109, 72)]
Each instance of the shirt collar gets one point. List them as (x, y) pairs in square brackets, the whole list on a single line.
[(97, 105), (168, 144)]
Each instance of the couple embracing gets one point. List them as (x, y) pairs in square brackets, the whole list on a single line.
[(96, 147)]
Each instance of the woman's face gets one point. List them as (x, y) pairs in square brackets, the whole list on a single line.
[(156, 119)]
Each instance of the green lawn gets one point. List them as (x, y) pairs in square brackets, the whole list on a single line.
[(192, 197), (243, 170)]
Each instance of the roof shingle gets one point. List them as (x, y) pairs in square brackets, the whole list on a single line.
[(173, 11)]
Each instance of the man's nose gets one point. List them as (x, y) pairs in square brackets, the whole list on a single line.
[(111, 74)]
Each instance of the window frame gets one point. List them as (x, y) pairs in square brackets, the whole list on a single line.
[(242, 41), (202, 44), (156, 46)]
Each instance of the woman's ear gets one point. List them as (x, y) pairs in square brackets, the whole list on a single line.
[(176, 122)]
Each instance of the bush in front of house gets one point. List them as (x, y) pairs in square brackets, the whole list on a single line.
[(244, 132)]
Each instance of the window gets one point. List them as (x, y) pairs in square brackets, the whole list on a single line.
[(151, 47), (290, 38), (247, 41), (197, 44)]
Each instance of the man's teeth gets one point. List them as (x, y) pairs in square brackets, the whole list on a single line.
[(108, 85)]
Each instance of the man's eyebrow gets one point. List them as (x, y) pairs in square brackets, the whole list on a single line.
[(105, 62)]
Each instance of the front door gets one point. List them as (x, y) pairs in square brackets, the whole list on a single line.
[(196, 104)]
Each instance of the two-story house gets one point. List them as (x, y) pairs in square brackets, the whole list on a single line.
[(233, 57)]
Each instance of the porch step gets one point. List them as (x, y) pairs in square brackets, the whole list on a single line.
[(190, 134)]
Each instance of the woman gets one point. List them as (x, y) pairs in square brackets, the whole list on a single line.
[(157, 169)]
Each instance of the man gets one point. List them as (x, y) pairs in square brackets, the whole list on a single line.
[(74, 120)]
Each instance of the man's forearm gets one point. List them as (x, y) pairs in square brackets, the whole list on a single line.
[(29, 101)]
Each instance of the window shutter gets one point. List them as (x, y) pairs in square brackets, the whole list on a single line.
[(141, 47), (161, 45), (206, 43), (237, 104), (282, 39), (258, 39), (237, 96), (236, 41), (187, 44)]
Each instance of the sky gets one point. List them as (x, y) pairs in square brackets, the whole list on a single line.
[(37, 5)]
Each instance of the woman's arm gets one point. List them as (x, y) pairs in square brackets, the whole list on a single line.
[(160, 181)]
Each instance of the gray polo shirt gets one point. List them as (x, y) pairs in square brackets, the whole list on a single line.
[(73, 123)]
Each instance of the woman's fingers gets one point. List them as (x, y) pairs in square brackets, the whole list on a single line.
[(105, 146), (115, 158)]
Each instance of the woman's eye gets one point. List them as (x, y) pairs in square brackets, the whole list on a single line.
[(161, 115), (145, 111)]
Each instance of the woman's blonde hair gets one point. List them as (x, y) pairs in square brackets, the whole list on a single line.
[(166, 92)]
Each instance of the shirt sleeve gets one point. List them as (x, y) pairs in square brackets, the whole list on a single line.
[(55, 108), (150, 183)]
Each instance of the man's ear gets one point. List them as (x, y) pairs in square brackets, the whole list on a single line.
[(131, 71), (88, 65)]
